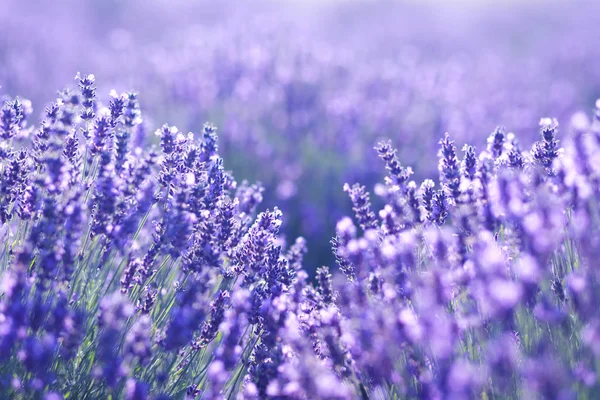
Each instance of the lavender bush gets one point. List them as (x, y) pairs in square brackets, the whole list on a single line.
[(145, 273), (130, 272), (135, 266), (481, 287)]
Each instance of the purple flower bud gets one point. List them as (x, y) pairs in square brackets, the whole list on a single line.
[(546, 150), (469, 163), (495, 142), (449, 168), (11, 116), (88, 93), (217, 314), (361, 206), (398, 174)]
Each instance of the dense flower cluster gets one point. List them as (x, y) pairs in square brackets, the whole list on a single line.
[(490, 292), (148, 273), (137, 273), (134, 266)]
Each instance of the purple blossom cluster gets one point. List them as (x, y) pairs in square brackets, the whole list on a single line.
[(136, 266), (483, 287), (137, 272), (148, 273)]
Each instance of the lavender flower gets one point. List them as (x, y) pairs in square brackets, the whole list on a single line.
[(362, 206), (11, 116), (398, 174), (449, 168), (325, 285), (546, 150), (88, 93), (495, 142), (469, 164), (217, 314)]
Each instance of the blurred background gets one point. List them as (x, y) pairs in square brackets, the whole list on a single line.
[(302, 91)]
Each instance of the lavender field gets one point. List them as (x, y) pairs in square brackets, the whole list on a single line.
[(299, 200)]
